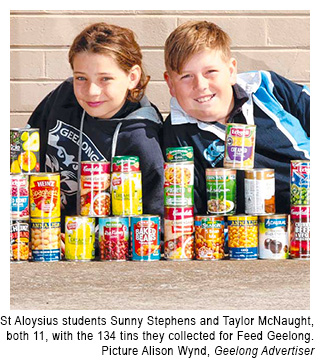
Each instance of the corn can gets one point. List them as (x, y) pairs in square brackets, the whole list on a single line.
[(180, 154), (125, 163), (300, 232), (300, 183), (19, 240), (19, 191), (45, 195)]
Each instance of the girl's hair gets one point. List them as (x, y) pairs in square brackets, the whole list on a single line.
[(115, 41), (191, 38)]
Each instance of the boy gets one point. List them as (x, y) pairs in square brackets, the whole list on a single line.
[(207, 93)]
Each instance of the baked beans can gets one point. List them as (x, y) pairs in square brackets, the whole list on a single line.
[(19, 191), (79, 238), (179, 184), (209, 237), (300, 183), (259, 191), (243, 237), (221, 187), (24, 150), (19, 240), (95, 188), (125, 163), (180, 154), (300, 232), (179, 233), (45, 239), (126, 193), (45, 195), (114, 238), (239, 146), (145, 237), (274, 237)]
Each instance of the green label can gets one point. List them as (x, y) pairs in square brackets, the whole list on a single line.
[(179, 154)]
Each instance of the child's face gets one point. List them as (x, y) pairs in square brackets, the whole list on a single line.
[(204, 88), (100, 85)]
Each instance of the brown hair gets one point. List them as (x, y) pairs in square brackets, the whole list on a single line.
[(115, 41), (192, 37)]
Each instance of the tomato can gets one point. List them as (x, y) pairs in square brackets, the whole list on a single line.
[(300, 183), (45, 195), (19, 240), (300, 232), (19, 191), (180, 154), (114, 238), (125, 163), (145, 237)]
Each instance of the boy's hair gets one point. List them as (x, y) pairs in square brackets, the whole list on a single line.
[(191, 38), (117, 42)]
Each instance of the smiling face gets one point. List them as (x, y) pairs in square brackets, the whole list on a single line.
[(204, 87)]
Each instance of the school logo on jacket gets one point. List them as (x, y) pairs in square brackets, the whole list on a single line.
[(214, 152)]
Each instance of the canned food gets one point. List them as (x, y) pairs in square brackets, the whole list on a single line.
[(209, 237), (239, 146), (221, 191), (178, 184), (79, 238), (145, 236), (114, 238), (273, 237), (126, 193), (125, 163), (259, 191), (45, 195), (300, 232), (19, 190), (45, 239), (24, 150), (180, 154), (178, 233), (243, 237), (95, 188), (300, 182), (19, 240)]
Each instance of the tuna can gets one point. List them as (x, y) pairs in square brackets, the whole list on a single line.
[(114, 238), (24, 150), (45, 195), (239, 146), (180, 154), (95, 188), (125, 163), (221, 187), (243, 237), (259, 191), (300, 232), (209, 237), (19, 191), (19, 240), (300, 183), (273, 237), (45, 239), (145, 237), (79, 238), (178, 184), (179, 233)]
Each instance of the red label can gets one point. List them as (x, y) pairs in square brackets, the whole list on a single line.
[(19, 240), (19, 192), (300, 232)]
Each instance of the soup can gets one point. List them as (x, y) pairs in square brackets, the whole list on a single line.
[(221, 187), (19, 240), (45, 195), (259, 191), (300, 183), (79, 238), (239, 146), (114, 238), (19, 191), (273, 237), (125, 163), (300, 232), (145, 237), (180, 154)]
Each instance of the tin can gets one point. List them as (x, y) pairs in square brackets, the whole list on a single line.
[(180, 154), (179, 233), (114, 238), (95, 188), (243, 237), (79, 238), (178, 184), (273, 237), (45, 195), (145, 236), (259, 191), (300, 182), (19, 240), (300, 232), (126, 193), (19, 191), (221, 187), (209, 237), (45, 239), (125, 163), (239, 146)]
